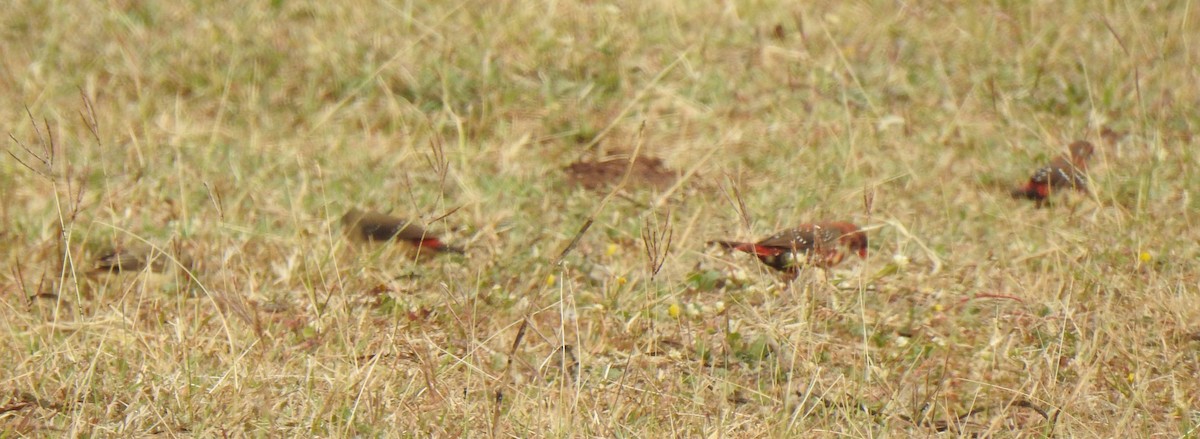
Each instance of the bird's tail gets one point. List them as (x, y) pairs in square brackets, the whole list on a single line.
[(732, 245), (438, 246), (1032, 191)]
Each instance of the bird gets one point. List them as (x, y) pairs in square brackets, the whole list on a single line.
[(160, 263), (132, 260), (374, 226), (1066, 171), (823, 245)]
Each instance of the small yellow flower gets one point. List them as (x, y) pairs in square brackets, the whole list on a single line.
[(621, 280), (1145, 256), (1130, 377), (937, 307), (550, 279), (673, 310), (611, 249)]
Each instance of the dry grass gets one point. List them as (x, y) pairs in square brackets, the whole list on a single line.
[(237, 135)]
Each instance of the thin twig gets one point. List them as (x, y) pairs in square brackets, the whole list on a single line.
[(503, 378), (22, 162), (738, 202), (444, 215), (215, 197), (89, 118), (657, 243), (1137, 86)]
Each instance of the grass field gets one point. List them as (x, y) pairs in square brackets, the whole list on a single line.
[(234, 136)]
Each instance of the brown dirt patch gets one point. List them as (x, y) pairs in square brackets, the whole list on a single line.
[(647, 172)]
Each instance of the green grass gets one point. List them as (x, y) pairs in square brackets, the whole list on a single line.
[(238, 134)]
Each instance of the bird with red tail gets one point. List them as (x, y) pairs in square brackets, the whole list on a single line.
[(822, 245), (1067, 171), (374, 226)]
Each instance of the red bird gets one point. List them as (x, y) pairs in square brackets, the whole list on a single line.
[(822, 244), (1067, 171), (375, 226)]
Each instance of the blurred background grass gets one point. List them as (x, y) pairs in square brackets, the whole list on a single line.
[(238, 133)]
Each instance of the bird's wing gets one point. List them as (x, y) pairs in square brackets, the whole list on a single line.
[(797, 239), (120, 260), (411, 232), (1063, 173), (381, 227), (132, 260)]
